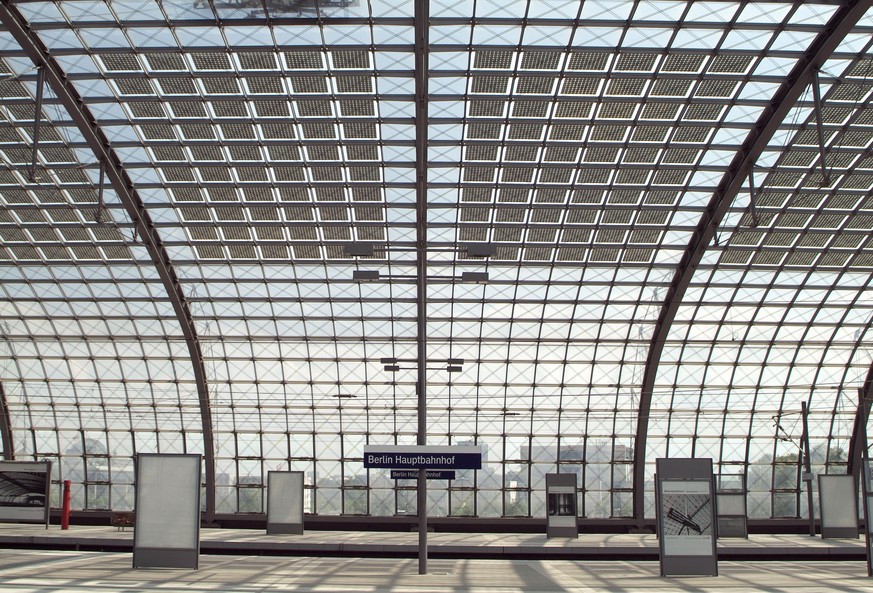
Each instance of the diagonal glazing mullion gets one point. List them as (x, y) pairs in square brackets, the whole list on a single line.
[(276, 299), (17, 379), (52, 391), (476, 409), (552, 101), (292, 301), (342, 455), (746, 79), (513, 78), (840, 25), (697, 79), (598, 342), (13, 356), (137, 212), (819, 307), (370, 422)]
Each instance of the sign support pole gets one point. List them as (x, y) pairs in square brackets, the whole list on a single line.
[(422, 13)]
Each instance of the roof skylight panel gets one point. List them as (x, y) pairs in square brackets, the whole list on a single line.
[(214, 85), (683, 62), (359, 130), (528, 109), (626, 87), (535, 85), (493, 59), (133, 86), (166, 62), (670, 87), (264, 85), (272, 108), (350, 60), (539, 60), (580, 86), (309, 84), (730, 64), (357, 108), (177, 86), (304, 60), (617, 110), (211, 61), (188, 109), (121, 62), (257, 61), (573, 109), (230, 108), (354, 84), (495, 85), (314, 108)]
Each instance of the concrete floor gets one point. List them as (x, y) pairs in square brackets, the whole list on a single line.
[(75, 572)]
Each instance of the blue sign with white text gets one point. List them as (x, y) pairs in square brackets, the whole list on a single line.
[(422, 457)]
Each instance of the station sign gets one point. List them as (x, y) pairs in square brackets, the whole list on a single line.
[(430, 474), (422, 457)]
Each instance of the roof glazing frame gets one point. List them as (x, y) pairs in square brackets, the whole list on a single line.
[(525, 305)]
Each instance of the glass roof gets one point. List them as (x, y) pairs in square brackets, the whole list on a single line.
[(645, 228)]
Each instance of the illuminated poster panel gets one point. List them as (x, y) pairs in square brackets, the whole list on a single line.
[(167, 533), (24, 491), (284, 502), (686, 517), (838, 502)]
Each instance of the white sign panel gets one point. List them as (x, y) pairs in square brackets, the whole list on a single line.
[(285, 497), (167, 502)]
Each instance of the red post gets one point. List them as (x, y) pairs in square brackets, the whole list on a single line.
[(65, 509)]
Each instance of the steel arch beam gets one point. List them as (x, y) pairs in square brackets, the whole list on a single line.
[(136, 210), (841, 23), (6, 428), (857, 444)]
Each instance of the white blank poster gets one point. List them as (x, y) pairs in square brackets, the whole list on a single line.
[(167, 501), (838, 498), (285, 497)]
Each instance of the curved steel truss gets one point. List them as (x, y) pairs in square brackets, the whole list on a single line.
[(644, 231)]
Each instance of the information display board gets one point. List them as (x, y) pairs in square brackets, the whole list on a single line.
[(167, 533), (838, 504), (561, 506), (284, 502), (686, 517), (24, 491)]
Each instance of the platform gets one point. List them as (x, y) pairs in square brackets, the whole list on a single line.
[(441, 545), (93, 572)]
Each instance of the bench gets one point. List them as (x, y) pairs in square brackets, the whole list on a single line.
[(123, 520)]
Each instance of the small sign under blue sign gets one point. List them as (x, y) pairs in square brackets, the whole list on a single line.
[(431, 474)]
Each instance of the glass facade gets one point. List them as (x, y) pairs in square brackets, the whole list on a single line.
[(671, 201)]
